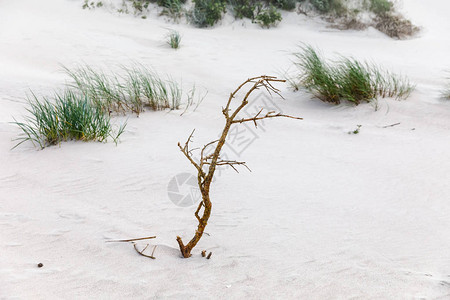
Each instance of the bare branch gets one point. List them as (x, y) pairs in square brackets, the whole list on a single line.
[(212, 160), (258, 81), (188, 154)]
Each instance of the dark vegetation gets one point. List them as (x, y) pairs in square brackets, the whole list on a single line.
[(342, 14)]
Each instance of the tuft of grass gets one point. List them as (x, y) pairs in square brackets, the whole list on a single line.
[(139, 88), (347, 79), (174, 39), (68, 116), (356, 130), (104, 91)]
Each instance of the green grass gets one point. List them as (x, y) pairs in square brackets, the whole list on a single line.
[(174, 39), (380, 7), (83, 110), (67, 116), (347, 79), (139, 88)]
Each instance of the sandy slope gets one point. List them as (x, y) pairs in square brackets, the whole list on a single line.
[(323, 215)]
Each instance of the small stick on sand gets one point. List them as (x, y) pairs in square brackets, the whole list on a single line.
[(131, 240), (392, 125)]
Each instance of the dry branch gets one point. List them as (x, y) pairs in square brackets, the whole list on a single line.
[(212, 160)]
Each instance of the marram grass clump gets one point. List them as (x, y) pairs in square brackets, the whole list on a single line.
[(347, 79), (66, 116), (132, 92), (174, 39)]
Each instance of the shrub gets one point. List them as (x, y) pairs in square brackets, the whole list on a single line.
[(347, 79), (67, 116), (285, 4), (139, 5), (168, 3), (395, 26), (321, 5), (351, 22), (243, 8), (92, 4), (174, 39), (385, 18), (172, 8), (207, 12), (380, 7), (329, 6), (268, 17)]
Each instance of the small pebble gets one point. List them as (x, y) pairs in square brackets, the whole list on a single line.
[(40, 265)]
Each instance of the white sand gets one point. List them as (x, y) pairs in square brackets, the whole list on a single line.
[(323, 215)]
